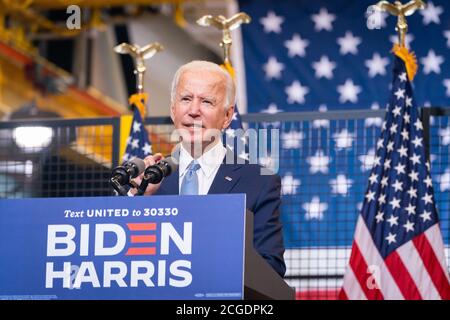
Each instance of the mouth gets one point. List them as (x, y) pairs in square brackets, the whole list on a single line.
[(193, 125)]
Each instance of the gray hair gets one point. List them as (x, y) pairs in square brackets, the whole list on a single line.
[(230, 94)]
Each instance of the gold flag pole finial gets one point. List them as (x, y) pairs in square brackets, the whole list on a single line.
[(225, 25), (139, 56), (401, 11)]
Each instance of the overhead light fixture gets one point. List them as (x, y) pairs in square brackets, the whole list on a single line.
[(33, 139)]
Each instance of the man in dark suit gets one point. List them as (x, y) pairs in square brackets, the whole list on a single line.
[(202, 106)]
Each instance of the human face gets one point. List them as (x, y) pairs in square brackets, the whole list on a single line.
[(198, 110)]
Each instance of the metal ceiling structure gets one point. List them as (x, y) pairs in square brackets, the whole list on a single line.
[(24, 20)]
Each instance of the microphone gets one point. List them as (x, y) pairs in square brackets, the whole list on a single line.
[(122, 175), (155, 173)]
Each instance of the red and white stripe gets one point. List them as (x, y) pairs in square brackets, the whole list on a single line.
[(415, 270)]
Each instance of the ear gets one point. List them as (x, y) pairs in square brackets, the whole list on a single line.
[(228, 117)]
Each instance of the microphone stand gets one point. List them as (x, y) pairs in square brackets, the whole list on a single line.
[(142, 187), (154, 175), (118, 187), (117, 181)]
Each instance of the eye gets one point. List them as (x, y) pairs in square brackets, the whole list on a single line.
[(185, 99), (207, 102)]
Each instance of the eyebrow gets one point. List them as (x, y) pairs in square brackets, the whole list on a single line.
[(188, 94), (213, 99)]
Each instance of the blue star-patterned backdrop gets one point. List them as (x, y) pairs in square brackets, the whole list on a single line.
[(322, 56)]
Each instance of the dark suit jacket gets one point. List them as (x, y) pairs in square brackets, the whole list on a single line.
[(263, 199)]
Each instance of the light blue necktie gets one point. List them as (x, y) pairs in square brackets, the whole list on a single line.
[(190, 180)]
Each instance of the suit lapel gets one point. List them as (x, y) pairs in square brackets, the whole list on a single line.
[(226, 178)]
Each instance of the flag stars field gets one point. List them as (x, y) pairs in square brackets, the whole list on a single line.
[(406, 118)]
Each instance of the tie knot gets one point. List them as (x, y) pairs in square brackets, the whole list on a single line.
[(194, 166), (190, 181)]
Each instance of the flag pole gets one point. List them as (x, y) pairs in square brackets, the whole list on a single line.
[(401, 11), (138, 143), (139, 55), (225, 25)]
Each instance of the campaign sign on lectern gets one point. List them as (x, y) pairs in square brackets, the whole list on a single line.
[(159, 247)]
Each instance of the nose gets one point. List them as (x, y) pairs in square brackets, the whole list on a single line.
[(194, 108)]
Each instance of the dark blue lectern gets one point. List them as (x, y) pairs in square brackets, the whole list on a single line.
[(160, 247)]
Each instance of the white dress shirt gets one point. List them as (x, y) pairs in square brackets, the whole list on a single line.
[(209, 163)]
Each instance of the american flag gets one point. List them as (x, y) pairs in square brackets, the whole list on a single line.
[(138, 142), (235, 143), (398, 251), (236, 122), (320, 56)]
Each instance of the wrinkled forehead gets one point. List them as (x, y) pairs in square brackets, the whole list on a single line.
[(202, 82)]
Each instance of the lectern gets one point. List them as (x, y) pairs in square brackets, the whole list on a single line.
[(158, 247), (260, 280)]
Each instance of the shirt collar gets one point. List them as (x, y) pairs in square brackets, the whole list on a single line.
[(208, 161)]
